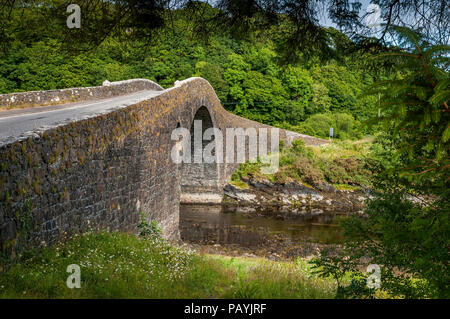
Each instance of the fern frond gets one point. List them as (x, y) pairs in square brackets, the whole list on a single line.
[(429, 52), (442, 84), (440, 97)]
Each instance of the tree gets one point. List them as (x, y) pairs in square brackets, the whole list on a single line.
[(409, 239), (301, 35), (299, 84), (416, 104), (235, 73), (214, 74), (321, 102)]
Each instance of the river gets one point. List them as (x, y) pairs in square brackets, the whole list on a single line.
[(263, 233)]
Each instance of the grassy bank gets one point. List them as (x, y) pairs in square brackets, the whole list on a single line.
[(117, 265), (344, 164)]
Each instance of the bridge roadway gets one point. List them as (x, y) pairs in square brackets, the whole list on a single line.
[(23, 121)]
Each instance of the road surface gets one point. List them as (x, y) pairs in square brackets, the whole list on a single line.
[(18, 123)]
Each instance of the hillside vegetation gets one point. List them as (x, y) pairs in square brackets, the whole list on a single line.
[(347, 165)]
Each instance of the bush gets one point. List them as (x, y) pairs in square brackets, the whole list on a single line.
[(307, 172), (321, 123), (149, 230), (343, 124), (305, 128), (335, 174), (349, 170), (408, 241), (298, 146), (342, 163)]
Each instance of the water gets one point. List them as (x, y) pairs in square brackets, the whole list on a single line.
[(207, 224)]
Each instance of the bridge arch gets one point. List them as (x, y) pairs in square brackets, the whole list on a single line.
[(200, 180)]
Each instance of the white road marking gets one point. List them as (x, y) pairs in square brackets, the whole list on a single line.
[(151, 94)]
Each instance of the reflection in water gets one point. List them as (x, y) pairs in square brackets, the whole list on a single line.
[(206, 224)]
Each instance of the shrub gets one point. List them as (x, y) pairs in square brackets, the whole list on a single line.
[(338, 163), (305, 128), (349, 170), (321, 124), (307, 172), (149, 230), (343, 124), (298, 146), (335, 174)]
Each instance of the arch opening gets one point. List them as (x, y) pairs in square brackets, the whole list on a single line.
[(200, 179)]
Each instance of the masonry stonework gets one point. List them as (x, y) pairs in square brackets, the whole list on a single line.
[(101, 172)]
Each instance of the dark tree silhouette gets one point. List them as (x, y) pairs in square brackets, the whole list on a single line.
[(144, 18)]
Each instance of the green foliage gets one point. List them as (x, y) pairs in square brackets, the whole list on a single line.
[(384, 150), (407, 228), (415, 106), (321, 101), (246, 75), (247, 170), (298, 146), (149, 230), (349, 166), (344, 85), (215, 75), (343, 124), (409, 242)]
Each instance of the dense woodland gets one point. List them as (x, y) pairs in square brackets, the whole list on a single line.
[(396, 92), (247, 75)]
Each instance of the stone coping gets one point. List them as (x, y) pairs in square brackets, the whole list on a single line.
[(61, 96)]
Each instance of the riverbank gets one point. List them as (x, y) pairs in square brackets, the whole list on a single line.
[(115, 265), (329, 179), (287, 199)]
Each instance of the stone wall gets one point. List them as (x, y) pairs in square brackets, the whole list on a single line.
[(53, 97), (99, 173)]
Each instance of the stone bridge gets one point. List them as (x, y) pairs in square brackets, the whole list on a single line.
[(101, 169)]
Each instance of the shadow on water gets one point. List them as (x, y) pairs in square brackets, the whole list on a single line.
[(208, 224)]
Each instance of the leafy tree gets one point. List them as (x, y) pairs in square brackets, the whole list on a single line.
[(321, 101), (299, 84), (344, 126), (214, 74), (235, 74)]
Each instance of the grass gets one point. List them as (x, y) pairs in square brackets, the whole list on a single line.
[(239, 184), (262, 278), (344, 149), (115, 265), (345, 187)]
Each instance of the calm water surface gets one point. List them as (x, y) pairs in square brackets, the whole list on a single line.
[(206, 224)]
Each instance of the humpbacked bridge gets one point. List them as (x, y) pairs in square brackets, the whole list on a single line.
[(92, 158)]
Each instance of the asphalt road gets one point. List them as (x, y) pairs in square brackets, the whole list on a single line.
[(18, 123)]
